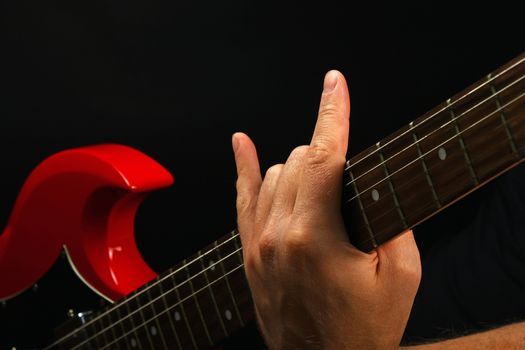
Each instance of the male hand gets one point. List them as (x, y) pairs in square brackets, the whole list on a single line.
[(312, 289)]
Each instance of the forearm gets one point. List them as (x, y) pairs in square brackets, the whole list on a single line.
[(509, 338)]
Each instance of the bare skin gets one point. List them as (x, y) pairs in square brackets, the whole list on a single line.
[(511, 337), (312, 289)]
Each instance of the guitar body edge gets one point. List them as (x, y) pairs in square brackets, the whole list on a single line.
[(84, 200)]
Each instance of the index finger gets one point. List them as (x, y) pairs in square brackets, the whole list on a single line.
[(332, 127), (319, 190)]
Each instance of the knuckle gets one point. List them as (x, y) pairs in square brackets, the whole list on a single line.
[(299, 152), (318, 163), (319, 153), (250, 264), (274, 170), (296, 242), (267, 247), (244, 202), (328, 109)]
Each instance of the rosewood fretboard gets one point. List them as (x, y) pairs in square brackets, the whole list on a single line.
[(437, 159), (394, 185)]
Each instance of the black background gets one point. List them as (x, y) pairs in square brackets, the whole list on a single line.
[(176, 79)]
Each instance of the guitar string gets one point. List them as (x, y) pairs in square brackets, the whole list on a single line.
[(488, 81), (455, 136), (206, 286), (413, 130), (171, 307), (370, 239), (104, 330), (448, 140), (410, 181), (406, 182), (213, 249), (383, 234), (141, 307), (410, 178), (234, 234), (436, 147)]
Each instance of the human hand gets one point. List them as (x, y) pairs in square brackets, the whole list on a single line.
[(312, 289)]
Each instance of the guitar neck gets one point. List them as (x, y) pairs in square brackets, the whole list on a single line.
[(195, 305), (437, 159), (394, 185)]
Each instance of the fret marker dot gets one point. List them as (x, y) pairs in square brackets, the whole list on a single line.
[(228, 315), (375, 195), (153, 330), (177, 316), (442, 153), (212, 265), (133, 343)]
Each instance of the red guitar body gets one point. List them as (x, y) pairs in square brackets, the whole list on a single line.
[(83, 200)]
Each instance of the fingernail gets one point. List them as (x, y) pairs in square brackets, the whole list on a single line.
[(330, 81), (235, 142)]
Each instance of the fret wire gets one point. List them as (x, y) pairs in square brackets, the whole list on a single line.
[(201, 316), (382, 234), (221, 264), (425, 168), (213, 298), (183, 311), (503, 118), (160, 332), (506, 70), (105, 339), (391, 186), (159, 280), (434, 131), (188, 297), (392, 225), (141, 314), (462, 144), (410, 182), (428, 118), (138, 341), (112, 329), (176, 286), (238, 245), (96, 335), (436, 147), (424, 208), (236, 242), (172, 325), (360, 204), (128, 345), (427, 206), (387, 212)]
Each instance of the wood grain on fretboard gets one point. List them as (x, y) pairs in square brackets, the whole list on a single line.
[(392, 186), (437, 159), (194, 305)]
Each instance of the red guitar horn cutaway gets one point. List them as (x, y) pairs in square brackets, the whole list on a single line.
[(84, 200)]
